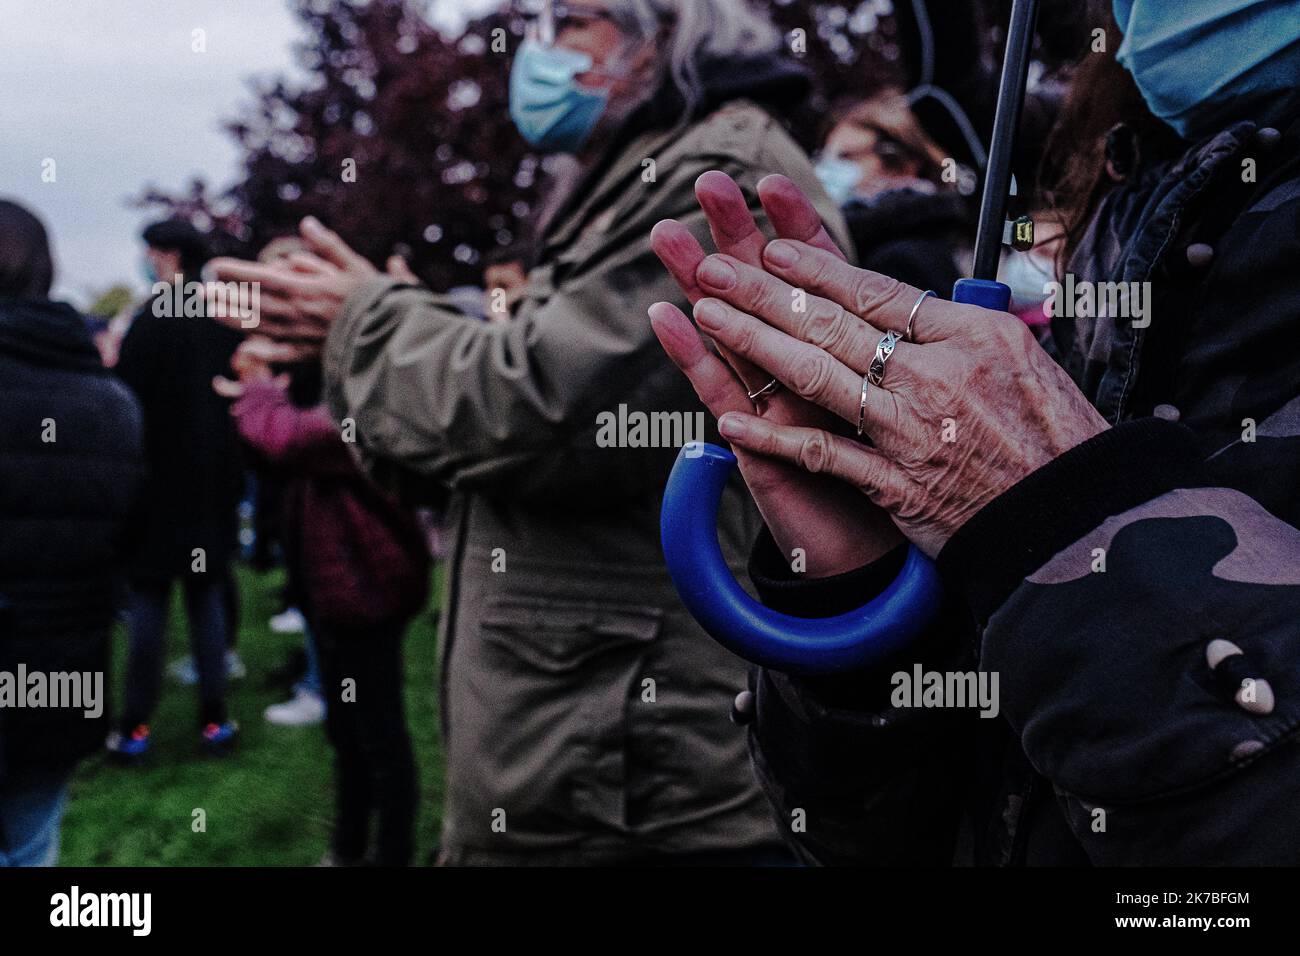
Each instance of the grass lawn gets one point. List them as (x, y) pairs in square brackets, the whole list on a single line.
[(271, 803)]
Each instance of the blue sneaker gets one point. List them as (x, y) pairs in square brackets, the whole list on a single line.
[(127, 749), (219, 739)]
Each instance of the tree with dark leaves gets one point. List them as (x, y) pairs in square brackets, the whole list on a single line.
[(400, 137)]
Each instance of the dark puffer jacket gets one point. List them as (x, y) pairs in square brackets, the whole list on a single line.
[(1125, 734), (195, 473), (64, 508)]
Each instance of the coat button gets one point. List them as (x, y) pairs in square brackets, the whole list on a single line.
[(1218, 649), (742, 708), (1199, 255), (1246, 749), (1169, 414), (1255, 696), (1268, 136)]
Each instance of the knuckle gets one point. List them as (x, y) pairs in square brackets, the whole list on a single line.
[(746, 338), (819, 273), (822, 327), (816, 453), (871, 290), (812, 374), (768, 301)]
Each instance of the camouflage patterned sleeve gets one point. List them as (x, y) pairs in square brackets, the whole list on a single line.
[(1145, 626)]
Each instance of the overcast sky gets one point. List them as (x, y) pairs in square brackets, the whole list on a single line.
[(112, 91)]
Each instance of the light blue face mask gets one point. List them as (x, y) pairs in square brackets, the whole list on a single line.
[(549, 107), (1200, 63), (839, 177), (147, 271)]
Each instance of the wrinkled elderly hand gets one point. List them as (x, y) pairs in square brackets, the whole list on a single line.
[(965, 409), (818, 515), (302, 295)]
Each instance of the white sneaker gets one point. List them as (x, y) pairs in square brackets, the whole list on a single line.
[(288, 621), (183, 670), (302, 710)]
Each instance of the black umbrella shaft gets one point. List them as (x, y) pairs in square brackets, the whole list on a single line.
[(997, 177)]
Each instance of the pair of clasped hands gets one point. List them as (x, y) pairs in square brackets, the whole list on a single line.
[(967, 406)]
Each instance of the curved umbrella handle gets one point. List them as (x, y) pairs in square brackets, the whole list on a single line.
[(688, 526)]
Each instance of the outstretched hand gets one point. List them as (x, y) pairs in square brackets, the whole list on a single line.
[(302, 295)]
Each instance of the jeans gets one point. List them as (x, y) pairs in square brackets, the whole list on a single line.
[(373, 766), (311, 681), (31, 810), (205, 605)]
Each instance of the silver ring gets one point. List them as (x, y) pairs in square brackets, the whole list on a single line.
[(862, 408), (885, 348), (765, 391), (907, 332)]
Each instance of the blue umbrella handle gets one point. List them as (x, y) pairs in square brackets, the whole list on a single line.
[(874, 632)]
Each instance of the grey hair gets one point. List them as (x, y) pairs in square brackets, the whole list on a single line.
[(699, 30)]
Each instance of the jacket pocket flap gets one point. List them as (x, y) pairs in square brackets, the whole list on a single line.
[(556, 635)]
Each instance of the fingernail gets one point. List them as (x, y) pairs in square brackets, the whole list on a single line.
[(781, 253), (731, 426), (312, 224), (710, 313), (717, 273)]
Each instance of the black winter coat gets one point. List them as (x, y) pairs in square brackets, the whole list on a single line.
[(195, 473), (1125, 734), (64, 508)]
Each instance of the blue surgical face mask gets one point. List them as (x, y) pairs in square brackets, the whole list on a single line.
[(839, 177), (147, 271), (1201, 63), (549, 107)]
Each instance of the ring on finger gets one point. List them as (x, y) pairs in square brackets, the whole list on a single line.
[(907, 332), (884, 349), (862, 408), (765, 391)]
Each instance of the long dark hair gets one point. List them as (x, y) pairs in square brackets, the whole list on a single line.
[(26, 268), (1074, 173)]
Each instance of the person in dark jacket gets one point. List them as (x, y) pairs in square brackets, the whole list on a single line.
[(71, 468), (365, 574), (1118, 532), (169, 358), (887, 175)]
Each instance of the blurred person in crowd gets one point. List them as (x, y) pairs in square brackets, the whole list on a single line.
[(306, 703), (1116, 523), (266, 513), (71, 471), (586, 714), (364, 574), (886, 174), (195, 478)]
